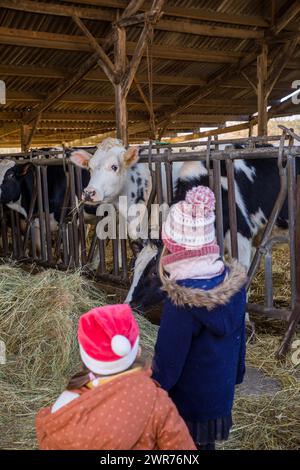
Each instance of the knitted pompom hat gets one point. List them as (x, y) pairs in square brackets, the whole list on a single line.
[(202, 196), (190, 223), (108, 339)]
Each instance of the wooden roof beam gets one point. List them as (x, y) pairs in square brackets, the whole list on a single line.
[(21, 96), (31, 6), (212, 85), (20, 37), (106, 15), (286, 18), (103, 59), (109, 117), (202, 14), (72, 116), (200, 135), (279, 63), (64, 87), (98, 75)]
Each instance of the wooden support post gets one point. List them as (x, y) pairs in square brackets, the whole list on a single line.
[(120, 97), (25, 132), (250, 128), (262, 101)]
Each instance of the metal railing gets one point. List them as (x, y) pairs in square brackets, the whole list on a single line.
[(70, 247)]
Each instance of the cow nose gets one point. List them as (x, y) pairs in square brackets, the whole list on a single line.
[(88, 194)]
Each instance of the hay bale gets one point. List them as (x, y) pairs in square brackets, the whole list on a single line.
[(38, 323), (266, 422), (270, 421), (281, 279)]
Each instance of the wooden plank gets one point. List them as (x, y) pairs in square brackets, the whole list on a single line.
[(103, 59), (40, 39), (83, 69), (120, 98), (84, 98), (279, 63), (61, 116), (25, 130), (203, 14), (262, 97), (212, 86), (109, 117), (128, 77), (94, 75), (286, 18), (199, 135), (234, 104), (65, 86), (207, 30), (98, 75), (59, 10)]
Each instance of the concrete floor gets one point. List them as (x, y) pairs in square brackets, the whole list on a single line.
[(257, 383)]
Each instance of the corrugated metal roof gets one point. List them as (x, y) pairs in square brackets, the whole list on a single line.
[(173, 79)]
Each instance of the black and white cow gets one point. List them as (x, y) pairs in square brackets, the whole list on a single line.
[(115, 172), (110, 172), (257, 184), (17, 186)]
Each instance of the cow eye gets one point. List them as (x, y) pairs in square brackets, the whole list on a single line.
[(114, 167)]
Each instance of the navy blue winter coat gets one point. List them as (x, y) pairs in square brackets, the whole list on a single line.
[(200, 350)]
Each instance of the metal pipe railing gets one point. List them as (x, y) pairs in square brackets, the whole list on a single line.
[(70, 248)]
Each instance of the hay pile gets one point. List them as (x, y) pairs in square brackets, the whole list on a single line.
[(270, 421), (38, 322), (281, 279)]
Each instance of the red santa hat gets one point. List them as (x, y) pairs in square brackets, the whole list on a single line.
[(108, 339)]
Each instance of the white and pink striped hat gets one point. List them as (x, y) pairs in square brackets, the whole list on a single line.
[(190, 223)]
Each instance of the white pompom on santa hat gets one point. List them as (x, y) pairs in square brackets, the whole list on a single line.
[(108, 339)]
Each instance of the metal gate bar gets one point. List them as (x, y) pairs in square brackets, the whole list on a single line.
[(71, 244)]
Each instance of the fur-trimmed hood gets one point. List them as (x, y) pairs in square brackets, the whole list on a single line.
[(235, 279)]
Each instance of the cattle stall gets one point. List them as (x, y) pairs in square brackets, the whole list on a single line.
[(70, 247)]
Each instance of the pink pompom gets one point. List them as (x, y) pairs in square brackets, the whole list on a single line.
[(202, 195)]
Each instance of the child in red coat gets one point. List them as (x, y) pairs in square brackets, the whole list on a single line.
[(113, 403)]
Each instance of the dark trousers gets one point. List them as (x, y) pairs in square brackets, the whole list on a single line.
[(210, 446)]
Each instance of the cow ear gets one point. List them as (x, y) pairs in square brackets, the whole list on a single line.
[(136, 247), (81, 158), (131, 156), (23, 170)]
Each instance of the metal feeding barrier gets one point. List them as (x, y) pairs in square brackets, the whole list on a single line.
[(32, 240)]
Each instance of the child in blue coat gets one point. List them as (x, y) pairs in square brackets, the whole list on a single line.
[(200, 350)]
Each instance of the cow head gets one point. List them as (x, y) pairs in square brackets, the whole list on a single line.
[(11, 176), (145, 290), (108, 168)]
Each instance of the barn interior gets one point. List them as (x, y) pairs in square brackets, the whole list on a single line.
[(79, 71), (74, 72)]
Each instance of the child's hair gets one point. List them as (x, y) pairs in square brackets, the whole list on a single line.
[(161, 270), (83, 376)]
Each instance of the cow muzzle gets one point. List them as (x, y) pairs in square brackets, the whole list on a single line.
[(89, 195)]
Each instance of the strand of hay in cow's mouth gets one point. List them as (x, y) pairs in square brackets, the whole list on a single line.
[(38, 323)]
